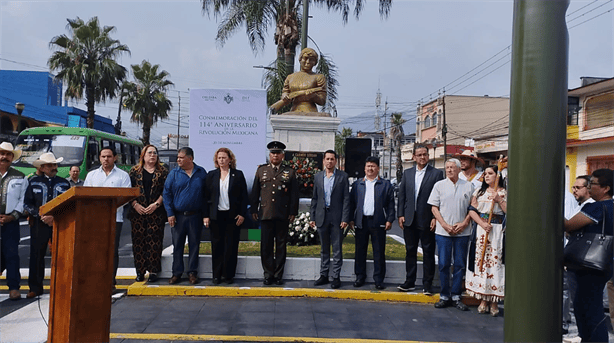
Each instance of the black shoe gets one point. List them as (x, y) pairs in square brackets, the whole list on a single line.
[(153, 277), (230, 280), (443, 303), (279, 282), (323, 280), (406, 287), (427, 291), (139, 278), (459, 305), (216, 281), (359, 282), (267, 281), (379, 285), (336, 283)]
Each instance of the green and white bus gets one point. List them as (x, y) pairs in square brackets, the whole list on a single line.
[(78, 146)]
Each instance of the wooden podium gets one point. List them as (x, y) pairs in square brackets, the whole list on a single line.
[(82, 262)]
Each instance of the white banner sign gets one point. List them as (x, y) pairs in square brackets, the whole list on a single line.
[(231, 118)]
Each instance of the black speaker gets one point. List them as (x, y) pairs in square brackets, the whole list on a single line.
[(356, 152)]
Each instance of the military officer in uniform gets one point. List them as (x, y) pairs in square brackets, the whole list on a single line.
[(274, 200)]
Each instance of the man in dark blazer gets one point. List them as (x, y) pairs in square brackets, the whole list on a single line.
[(274, 200), (372, 214), (416, 219), (330, 212)]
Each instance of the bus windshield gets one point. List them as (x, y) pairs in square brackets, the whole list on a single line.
[(71, 148)]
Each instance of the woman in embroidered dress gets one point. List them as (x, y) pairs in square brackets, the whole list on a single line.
[(488, 282), (148, 215)]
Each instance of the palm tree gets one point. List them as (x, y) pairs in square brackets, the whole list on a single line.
[(86, 62), (396, 134), (259, 16), (146, 97), (340, 145)]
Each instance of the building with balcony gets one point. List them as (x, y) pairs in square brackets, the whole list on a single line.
[(590, 127)]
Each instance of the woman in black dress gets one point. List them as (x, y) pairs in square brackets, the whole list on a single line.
[(148, 215)]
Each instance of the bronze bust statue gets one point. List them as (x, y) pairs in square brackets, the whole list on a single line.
[(304, 89)]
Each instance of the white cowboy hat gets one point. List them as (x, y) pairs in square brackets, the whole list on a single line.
[(6, 146), (47, 158), (469, 154)]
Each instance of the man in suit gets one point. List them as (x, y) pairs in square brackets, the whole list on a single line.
[(330, 212), (274, 200), (372, 214), (416, 219)]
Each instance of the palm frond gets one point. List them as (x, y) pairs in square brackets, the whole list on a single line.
[(327, 67)]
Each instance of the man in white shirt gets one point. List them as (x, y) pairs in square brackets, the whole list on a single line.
[(469, 160), (450, 201), (108, 175)]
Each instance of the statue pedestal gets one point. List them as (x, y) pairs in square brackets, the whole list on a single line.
[(305, 133)]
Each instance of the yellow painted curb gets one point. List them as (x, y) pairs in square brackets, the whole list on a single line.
[(227, 338), (140, 289)]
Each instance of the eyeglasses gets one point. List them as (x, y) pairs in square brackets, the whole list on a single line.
[(575, 188)]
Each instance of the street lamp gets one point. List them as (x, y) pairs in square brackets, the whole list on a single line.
[(19, 107)]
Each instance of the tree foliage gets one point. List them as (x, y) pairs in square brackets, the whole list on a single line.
[(146, 97), (85, 60), (396, 134)]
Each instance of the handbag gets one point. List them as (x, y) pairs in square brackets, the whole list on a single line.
[(590, 251)]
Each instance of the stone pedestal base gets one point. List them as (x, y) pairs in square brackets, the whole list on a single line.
[(305, 133)]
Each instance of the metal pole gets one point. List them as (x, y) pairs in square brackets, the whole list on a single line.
[(178, 118), (304, 24), (538, 100), (444, 131)]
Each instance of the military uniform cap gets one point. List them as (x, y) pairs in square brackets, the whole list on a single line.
[(276, 146)]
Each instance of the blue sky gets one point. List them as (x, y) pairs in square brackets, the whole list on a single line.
[(422, 47)]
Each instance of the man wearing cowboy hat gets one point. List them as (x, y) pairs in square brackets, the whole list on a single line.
[(40, 191), (274, 201), (13, 187), (469, 159)]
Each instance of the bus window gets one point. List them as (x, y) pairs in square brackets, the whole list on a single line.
[(106, 143), (92, 154), (70, 148), (128, 154), (121, 158)]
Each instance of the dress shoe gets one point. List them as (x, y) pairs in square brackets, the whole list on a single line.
[(193, 279), (230, 280), (323, 280), (279, 282), (174, 280), (216, 281), (359, 282), (32, 294), (267, 281), (139, 278), (427, 291), (14, 294), (153, 277), (443, 303), (379, 285), (336, 283), (459, 305), (407, 286)]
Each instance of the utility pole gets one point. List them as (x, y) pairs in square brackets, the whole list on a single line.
[(178, 118), (305, 23), (390, 164), (540, 52), (385, 131), (378, 103), (444, 130)]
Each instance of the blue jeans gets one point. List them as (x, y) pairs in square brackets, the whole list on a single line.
[(588, 306), (448, 247), (10, 254), (190, 226)]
